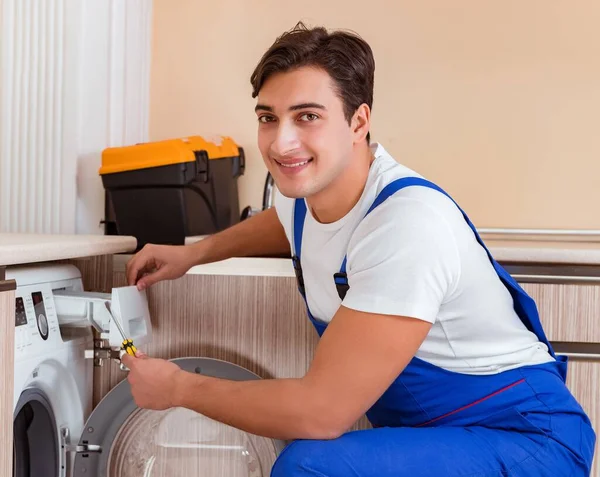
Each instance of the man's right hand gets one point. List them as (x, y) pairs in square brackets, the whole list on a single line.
[(158, 262)]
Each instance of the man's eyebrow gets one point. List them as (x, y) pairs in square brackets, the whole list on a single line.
[(263, 107), (295, 107)]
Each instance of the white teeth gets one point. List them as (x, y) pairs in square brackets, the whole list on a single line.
[(298, 164)]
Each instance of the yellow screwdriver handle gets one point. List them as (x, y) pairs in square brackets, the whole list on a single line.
[(129, 347)]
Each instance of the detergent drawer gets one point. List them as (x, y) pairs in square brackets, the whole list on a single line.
[(127, 305)]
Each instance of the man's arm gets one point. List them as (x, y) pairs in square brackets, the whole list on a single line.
[(259, 236), (357, 359)]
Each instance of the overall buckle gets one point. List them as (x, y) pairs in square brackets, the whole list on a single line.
[(341, 284), (298, 272)]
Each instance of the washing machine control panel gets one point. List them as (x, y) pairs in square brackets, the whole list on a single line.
[(20, 314), (36, 323)]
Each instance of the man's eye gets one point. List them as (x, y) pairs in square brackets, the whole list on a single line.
[(309, 117), (266, 119)]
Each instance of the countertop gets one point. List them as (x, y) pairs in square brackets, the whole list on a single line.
[(505, 248), (547, 251), (18, 249), (505, 251)]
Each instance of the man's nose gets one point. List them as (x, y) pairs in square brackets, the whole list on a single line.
[(286, 140)]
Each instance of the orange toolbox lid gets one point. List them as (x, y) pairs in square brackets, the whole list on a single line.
[(164, 153)]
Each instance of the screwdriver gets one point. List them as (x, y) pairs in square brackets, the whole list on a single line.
[(127, 344)]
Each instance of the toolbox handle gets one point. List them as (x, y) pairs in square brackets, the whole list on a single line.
[(239, 163), (202, 162)]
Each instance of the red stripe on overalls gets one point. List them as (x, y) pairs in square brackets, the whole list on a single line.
[(506, 388)]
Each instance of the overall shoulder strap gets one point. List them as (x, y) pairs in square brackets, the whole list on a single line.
[(341, 277), (524, 305), (299, 216)]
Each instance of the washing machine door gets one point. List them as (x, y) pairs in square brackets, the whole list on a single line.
[(122, 440), (35, 436)]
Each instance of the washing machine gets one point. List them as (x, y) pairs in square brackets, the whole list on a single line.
[(52, 379), (56, 431)]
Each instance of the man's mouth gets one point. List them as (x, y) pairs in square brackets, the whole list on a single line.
[(294, 163)]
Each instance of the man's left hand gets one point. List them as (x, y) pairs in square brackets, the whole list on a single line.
[(152, 381)]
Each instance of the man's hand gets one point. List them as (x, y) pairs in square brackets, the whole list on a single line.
[(153, 381), (158, 262)]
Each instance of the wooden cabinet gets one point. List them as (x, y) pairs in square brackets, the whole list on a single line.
[(260, 323), (569, 312), (583, 379), (570, 315), (7, 336)]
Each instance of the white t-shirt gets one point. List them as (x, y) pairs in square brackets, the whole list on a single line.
[(416, 256)]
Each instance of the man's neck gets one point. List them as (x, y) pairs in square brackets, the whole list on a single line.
[(334, 202)]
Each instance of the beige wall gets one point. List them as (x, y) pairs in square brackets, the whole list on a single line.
[(497, 101)]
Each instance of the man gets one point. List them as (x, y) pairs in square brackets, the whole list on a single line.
[(420, 328)]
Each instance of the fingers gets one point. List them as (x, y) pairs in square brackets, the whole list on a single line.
[(134, 265), (128, 360), (140, 262), (152, 278)]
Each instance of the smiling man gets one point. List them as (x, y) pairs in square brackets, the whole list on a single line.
[(420, 328)]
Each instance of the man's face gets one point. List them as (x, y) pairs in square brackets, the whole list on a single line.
[(303, 135)]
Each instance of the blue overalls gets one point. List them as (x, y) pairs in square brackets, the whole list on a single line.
[(437, 423)]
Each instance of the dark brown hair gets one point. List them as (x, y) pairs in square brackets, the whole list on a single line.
[(345, 56)]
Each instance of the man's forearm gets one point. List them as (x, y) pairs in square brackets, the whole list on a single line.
[(277, 408), (259, 236)]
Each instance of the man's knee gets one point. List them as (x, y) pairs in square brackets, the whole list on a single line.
[(304, 458)]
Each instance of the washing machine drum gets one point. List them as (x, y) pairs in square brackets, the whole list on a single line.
[(122, 440)]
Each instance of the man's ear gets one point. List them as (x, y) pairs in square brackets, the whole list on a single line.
[(361, 123)]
